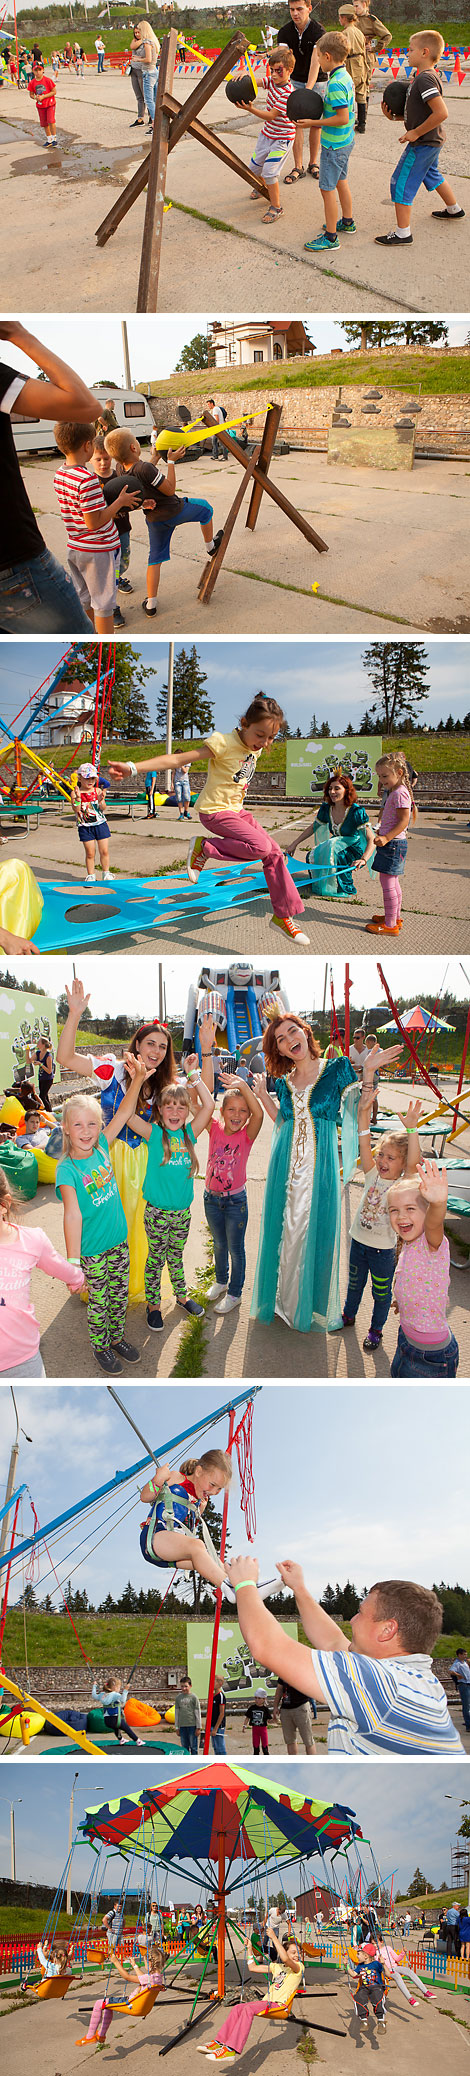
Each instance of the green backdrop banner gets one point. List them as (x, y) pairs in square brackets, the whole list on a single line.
[(240, 1672), (309, 764), (23, 1019)]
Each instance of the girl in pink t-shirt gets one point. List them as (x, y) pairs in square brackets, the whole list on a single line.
[(390, 840), (416, 1208), (23, 1249), (231, 1138)]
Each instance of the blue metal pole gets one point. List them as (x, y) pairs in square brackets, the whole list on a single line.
[(124, 1477)]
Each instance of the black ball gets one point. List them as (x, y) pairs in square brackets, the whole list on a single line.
[(394, 97), (304, 104), (240, 90)]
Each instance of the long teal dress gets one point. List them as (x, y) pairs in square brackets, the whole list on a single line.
[(335, 849), (297, 1272)]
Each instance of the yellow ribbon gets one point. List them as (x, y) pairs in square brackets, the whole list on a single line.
[(189, 437)]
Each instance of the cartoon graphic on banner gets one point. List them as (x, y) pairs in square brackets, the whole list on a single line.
[(240, 1672), (24, 1019), (310, 764)]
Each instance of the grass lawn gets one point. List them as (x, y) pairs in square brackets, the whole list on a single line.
[(108, 1639), (439, 373), (202, 28), (428, 752)]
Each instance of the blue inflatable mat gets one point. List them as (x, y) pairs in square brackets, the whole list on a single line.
[(73, 918)]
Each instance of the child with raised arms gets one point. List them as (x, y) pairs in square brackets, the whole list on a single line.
[(398, 805), (168, 1188), (231, 1138), (373, 1249), (94, 1219), (23, 1249), (146, 1978), (417, 1208)]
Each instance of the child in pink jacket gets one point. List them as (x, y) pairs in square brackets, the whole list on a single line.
[(21, 1250)]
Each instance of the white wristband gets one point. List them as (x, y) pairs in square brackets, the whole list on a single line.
[(133, 770)]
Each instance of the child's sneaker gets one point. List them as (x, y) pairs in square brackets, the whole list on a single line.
[(266, 1588), (449, 213), (346, 223), (207, 2046), (90, 880), (217, 1290), (125, 1348), (108, 875), (108, 1361), (118, 617), (215, 544), (290, 928), (324, 243), (372, 1339), (223, 2054), (190, 1305), (124, 585), (195, 859), (392, 238), (228, 1304), (154, 1319)]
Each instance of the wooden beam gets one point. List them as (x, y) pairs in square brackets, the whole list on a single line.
[(209, 83), (220, 149), (265, 483), (153, 222), (135, 186), (271, 429), (211, 570)]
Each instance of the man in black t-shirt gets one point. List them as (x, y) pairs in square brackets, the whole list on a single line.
[(425, 113), (294, 1712), (301, 34), (36, 594)]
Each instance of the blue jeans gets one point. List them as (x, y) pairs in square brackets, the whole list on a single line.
[(182, 792), (149, 89), (218, 1739), (379, 1264), (227, 1219), (101, 60), (38, 597), (189, 1739), (410, 1361), (464, 1691)]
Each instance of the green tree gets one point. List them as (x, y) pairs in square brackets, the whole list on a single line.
[(313, 729), (425, 332), (193, 712), (370, 332), (399, 675), (194, 355), (419, 1884), (130, 715)]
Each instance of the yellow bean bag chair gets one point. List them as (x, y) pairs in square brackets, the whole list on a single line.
[(21, 903), (11, 1112), (46, 1165), (169, 1716)]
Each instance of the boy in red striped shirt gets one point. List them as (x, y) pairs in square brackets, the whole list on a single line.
[(93, 539), (277, 135)]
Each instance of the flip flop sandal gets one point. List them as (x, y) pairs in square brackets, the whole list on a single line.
[(314, 172), (272, 215), (292, 178)]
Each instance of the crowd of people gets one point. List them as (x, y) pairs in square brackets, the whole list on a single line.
[(125, 1180)]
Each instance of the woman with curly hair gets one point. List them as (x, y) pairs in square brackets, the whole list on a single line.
[(297, 1272), (129, 1153), (343, 838)]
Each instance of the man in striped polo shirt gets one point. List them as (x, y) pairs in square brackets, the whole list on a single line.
[(93, 539), (381, 1689)]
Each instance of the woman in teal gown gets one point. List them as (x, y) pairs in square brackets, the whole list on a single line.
[(343, 839), (297, 1272)]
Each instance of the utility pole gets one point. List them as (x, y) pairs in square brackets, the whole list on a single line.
[(125, 348), (11, 1479), (13, 1841), (68, 1900), (169, 711)]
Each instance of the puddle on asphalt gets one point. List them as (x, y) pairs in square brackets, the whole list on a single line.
[(73, 161)]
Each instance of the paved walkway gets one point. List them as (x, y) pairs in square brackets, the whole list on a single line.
[(396, 563), (236, 1346), (435, 889), (415, 2043), (212, 233)]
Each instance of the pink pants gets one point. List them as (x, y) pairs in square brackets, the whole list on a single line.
[(240, 836), (235, 2029), (259, 1736), (392, 897), (100, 2021)]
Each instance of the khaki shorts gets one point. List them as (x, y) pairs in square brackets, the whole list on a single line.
[(292, 1719), (94, 577)]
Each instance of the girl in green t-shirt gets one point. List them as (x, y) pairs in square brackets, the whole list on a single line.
[(95, 1227), (168, 1187)]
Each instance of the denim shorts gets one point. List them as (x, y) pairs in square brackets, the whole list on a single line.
[(161, 530), (410, 1361), (418, 167), (333, 165), (38, 597)]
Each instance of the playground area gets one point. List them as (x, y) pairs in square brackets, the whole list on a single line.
[(396, 542), (333, 1905), (211, 232)]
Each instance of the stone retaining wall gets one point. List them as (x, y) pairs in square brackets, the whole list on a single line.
[(442, 423)]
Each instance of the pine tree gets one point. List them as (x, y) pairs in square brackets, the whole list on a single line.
[(193, 712), (399, 674)]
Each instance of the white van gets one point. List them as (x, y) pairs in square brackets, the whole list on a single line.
[(131, 410)]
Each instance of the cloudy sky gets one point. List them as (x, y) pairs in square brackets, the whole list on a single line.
[(323, 677), (94, 344), (410, 1812), (331, 1510), (107, 981)]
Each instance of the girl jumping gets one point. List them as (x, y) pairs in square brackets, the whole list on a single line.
[(232, 832), (94, 1220), (88, 802), (390, 840), (23, 1249), (417, 1208), (152, 1047)]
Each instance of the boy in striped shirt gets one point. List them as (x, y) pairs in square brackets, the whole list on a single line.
[(381, 1690), (92, 536), (277, 134)]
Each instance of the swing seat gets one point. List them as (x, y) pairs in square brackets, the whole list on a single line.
[(52, 1986), (140, 2007), (281, 2011)]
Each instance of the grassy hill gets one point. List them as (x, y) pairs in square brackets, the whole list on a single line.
[(430, 752), (116, 1639), (203, 28), (439, 374)]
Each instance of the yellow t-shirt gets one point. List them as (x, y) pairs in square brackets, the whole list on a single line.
[(284, 1986), (230, 769)]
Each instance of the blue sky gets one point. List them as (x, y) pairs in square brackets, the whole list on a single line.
[(373, 1484), (106, 981), (402, 1808), (306, 677), (94, 344)]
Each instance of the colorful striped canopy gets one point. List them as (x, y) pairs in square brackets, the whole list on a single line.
[(418, 1019), (184, 1819)]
